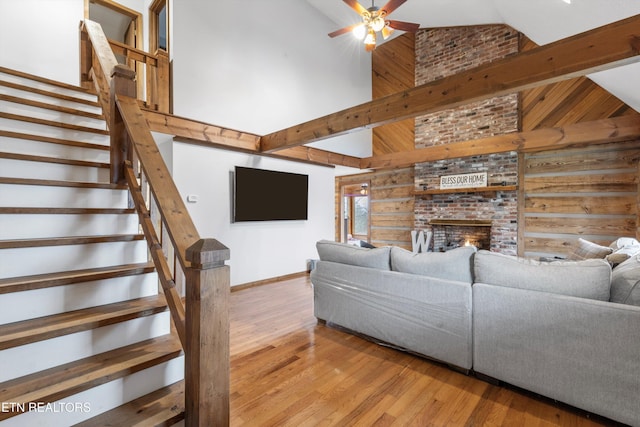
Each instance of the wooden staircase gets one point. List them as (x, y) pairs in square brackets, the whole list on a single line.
[(85, 336)]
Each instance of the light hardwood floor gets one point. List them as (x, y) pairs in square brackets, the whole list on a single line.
[(288, 370)]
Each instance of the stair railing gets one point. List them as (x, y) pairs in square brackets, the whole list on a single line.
[(152, 69), (174, 243)]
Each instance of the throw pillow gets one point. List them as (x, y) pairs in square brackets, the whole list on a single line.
[(353, 255), (625, 282), (590, 278), (456, 264), (588, 250)]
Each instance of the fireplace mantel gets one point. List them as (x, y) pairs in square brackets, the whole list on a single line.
[(462, 222)]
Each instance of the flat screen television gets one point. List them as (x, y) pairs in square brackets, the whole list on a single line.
[(266, 195)]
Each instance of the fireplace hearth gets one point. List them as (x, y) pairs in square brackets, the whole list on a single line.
[(452, 233)]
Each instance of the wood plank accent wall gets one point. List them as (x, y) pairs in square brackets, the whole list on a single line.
[(567, 102), (391, 205), (589, 192), (393, 67)]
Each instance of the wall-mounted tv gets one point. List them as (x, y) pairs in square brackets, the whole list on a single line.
[(266, 195)]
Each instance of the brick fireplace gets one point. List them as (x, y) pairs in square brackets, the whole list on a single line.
[(445, 51)]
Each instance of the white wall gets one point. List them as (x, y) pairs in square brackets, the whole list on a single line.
[(259, 67), (41, 37), (259, 250)]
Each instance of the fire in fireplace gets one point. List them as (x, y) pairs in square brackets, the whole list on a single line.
[(452, 233)]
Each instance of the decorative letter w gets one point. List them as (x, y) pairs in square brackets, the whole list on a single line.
[(420, 243)]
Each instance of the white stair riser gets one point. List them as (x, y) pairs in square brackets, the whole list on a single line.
[(61, 197), (47, 114), (58, 151), (27, 359), (105, 397), (54, 171), (41, 260), (53, 131), (45, 86), (19, 306), (32, 226)]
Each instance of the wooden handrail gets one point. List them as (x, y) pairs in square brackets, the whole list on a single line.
[(156, 65), (174, 213), (203, 327)]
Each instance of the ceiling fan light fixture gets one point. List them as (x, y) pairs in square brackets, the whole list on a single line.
[(360, 31), (386, 32), (377, 23), (370, 40)]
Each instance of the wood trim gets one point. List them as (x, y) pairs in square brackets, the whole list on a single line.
[(271, 280), (595, 50), (201, 133), (604, 131)]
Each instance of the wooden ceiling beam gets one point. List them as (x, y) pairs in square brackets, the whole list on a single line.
[(595, 50), (193, 131), (624, 128)]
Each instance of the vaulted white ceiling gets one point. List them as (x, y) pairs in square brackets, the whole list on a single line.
[(543, 21)]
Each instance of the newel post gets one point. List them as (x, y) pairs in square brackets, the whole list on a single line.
[(207, 326), (122, 83)]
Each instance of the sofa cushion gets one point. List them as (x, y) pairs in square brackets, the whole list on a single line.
[(353, 255), (590, 278), (588, 250), (625, 282), (456, 264)]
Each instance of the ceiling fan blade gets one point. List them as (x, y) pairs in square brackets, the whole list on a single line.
[(344, 30), (403, 26), (391, 6), (353, 4)]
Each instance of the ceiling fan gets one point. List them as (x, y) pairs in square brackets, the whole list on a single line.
[(374, 19)]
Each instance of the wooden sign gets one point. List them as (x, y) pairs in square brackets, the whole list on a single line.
[(468, 180)]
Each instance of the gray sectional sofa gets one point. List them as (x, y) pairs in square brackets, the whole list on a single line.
[(568, 330)]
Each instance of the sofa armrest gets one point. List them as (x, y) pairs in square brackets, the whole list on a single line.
[(579, 351)]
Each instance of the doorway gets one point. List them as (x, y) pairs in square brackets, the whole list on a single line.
[(355, 213), (119, 24)]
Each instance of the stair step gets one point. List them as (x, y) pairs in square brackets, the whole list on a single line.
[(68, 379), (23, 75), (40, 281), (61, 161), (57, 183), (51, 140), (63, 241), (47, 106), (163, 407), (43, 328), (49, 94), (64, 211), (53, 123)]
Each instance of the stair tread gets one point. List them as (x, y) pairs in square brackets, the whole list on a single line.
[(51, 140), (43, 328), (163, 407), (71, 240), (68, 379), (59, 160), (53, 123), (65, 211), (46, 80), (57, 183), (50, 94), (39, 281), (52, 107)]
